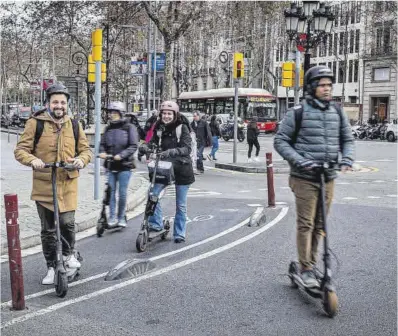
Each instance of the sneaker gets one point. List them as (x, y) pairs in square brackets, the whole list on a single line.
[(309, 279), (257, 159), (209, 157), (249, 160), (214, 159), (112, 222), (179, 240), (155, 228), (122, 223), (71, 261), (49, 278)]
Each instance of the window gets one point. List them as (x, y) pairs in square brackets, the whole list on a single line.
[(356, 70), (330, 65), (386, 40), (357, 40), (330, 39), (353, 99), (335, 44), (334, 72), (343, 13), (204, 86), (322, 49), (336, 15), (345, 42), (342, 71), (322, 64), (353, 12), (358, 11), (352, 41), (379, 6), (341, 43), (350, 65), (381, 74)]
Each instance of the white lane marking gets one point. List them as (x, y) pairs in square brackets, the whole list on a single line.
[(94, 277), (343, 183), (244, 191), (263, 189), (349, 198), (280, 203), (378, 181), (391, 196), (360, 161), (374, 197), (229, 210), (285, 187), (254, 205), (363, 182), (384, 160), (161, 271)]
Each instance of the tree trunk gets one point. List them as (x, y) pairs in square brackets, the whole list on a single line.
[(168, 71)]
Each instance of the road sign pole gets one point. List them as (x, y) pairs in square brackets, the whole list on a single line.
[(235, 155)]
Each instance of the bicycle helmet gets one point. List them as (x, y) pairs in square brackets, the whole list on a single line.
[(313, 75), (170, 106), (117, 106), (57, 89)]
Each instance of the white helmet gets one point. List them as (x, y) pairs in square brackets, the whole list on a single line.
[(117, 106)]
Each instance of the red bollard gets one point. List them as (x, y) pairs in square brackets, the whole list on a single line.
[(270, 180), (14, 252)]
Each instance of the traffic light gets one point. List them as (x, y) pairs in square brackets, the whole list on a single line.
[(96, 41), (239, 66), (288, 73), (301, 76), (91, 70)]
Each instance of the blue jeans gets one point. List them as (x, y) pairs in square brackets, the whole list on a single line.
[(121, 177), (180, 219), (199, 162), (215, 146)]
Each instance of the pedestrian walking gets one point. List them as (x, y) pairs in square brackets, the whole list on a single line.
[(215, 135), (252, 139)]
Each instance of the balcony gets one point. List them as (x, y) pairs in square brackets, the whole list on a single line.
[(377, 52)]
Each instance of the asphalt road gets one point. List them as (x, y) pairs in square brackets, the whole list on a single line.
[(232, 282)]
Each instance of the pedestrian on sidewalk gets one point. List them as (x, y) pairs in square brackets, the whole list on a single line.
[(215, 135), (203, 138), (49, 136), (119, 139), (176, 145), (252, 139), (315, 132)]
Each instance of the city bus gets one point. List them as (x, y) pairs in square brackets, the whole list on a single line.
[(252, 103)]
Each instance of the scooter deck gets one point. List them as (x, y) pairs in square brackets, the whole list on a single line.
[(155, 234)]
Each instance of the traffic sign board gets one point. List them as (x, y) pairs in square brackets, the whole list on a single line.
[(223, 57)]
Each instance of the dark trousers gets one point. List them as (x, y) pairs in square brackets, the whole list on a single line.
[(256, 144), (48, 236), (199, 161)]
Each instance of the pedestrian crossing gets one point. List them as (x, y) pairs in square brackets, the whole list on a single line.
[(192, 192)]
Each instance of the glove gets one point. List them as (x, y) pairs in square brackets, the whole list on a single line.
[(173, 152), (143, 149)]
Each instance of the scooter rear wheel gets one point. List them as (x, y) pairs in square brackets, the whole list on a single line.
[(293, 269), (61, 287), (330, 303), (141, 241)]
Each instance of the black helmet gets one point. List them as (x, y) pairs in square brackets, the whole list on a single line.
[(316, 73), (57, 88)]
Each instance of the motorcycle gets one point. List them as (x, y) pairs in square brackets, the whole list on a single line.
[(227, 131)]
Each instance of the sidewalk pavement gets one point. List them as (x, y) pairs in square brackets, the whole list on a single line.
[(17, 179)]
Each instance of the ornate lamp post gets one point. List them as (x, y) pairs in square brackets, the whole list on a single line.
[(79, 58), (308, 25)]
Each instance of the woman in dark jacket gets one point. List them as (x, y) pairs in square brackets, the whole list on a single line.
[(120, 140), (169, 127), (215, 135), (252, 139)]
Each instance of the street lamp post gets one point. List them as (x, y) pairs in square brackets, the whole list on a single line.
[(308, 26), (78, 58)]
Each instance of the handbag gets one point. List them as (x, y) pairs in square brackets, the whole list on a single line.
[(164, 172)]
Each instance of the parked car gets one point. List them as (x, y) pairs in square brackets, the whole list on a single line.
[(24, 114), (5, 120), (391, 132)]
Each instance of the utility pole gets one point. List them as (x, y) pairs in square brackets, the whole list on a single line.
[(149, 69), (155, 63), (41, 79)]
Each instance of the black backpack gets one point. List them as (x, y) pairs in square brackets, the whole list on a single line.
[(40, 128), (126, 128)]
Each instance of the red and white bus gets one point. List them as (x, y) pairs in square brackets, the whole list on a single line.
[(252, 102)]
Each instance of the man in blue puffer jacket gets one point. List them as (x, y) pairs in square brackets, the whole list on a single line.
[(315, 132)]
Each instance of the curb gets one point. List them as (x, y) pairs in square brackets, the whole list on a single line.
[(253, 169), (89, 220)]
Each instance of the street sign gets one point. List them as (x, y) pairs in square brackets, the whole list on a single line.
[(139, 64), (223, 57), (160, 61)]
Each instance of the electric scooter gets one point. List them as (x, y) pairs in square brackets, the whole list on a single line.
[(102, 223), (63, 275), (326, 290), (145, 235)]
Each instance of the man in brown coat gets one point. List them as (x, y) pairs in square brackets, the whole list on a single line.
[(56, 143)]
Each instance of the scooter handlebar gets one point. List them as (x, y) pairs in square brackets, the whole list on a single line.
[(61, 164), (108, 157)]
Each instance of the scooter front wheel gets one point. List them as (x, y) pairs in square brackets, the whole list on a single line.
[(330, 303), (293, 269), (61, 286), (141, 241)]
